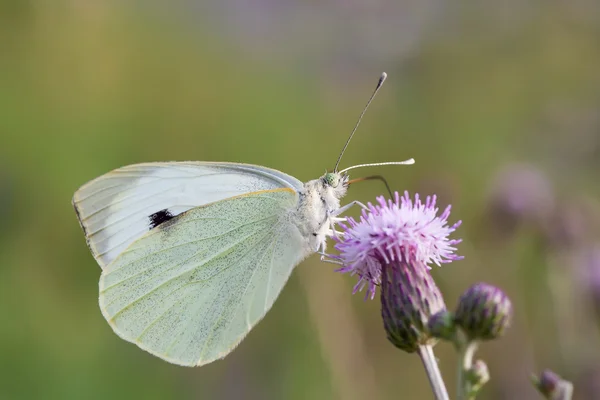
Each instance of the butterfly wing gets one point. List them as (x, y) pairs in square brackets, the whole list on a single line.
[(190, 290), (119, 207)]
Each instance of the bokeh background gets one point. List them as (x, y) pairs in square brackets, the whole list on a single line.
[(499, 103)]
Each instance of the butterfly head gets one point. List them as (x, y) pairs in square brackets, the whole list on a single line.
[(336, 183)]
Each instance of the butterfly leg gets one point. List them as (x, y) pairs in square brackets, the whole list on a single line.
[(328, 258), (345, 208), (325, 259), (333, 216), (322, 247), (332, 220)]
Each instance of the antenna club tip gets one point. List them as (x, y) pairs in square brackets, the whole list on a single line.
[(381, 80), (410, 161)]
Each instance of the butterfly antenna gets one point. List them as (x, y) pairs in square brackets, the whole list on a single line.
[(410, 161), (379, 83), (373, 177)]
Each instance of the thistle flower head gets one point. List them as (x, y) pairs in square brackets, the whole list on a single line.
[(395, 231), (484, 312), (392, 245)]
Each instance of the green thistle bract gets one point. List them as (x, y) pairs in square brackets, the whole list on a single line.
[(409, 297), (441, 325)]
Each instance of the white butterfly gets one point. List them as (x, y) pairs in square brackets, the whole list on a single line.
[(193, 254)]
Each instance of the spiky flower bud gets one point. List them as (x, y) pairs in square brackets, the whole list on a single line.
[(552, 386), (484, 312), (441, 325), (409, 297)]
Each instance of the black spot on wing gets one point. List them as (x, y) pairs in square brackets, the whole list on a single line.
[(159, 217)]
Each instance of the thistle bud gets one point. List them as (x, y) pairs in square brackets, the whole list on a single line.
[(484, 312), (478, 375), (441, 325), (552, 386), (409, 297)]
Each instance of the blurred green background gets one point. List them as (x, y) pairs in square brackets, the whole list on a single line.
[(498, 103)]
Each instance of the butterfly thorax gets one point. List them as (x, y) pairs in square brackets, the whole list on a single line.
[(319, 199)]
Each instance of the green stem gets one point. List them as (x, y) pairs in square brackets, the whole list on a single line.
[(465, 362), (433, 372)]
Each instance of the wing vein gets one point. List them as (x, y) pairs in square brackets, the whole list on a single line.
[(213, 331), (151, 324), (269, 280), (179, 245), (98, 191), (142, 198), (212, 305), (177, 276)]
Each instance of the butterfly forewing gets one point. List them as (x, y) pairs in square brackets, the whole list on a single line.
[(121, 206), (189, 290)]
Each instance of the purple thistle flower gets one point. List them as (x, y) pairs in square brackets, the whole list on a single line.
[(395, 231)]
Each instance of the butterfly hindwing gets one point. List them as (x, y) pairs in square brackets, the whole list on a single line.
[(121, 206), (189, 290)]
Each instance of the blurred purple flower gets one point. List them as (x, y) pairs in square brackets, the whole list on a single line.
[(574, 221), (567, 226), (520, 192), (552, 386), (395, 231), (590, 277)]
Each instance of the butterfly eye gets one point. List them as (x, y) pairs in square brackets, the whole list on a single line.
[(331, 179)]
